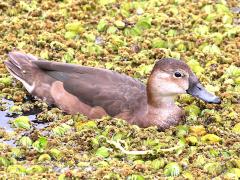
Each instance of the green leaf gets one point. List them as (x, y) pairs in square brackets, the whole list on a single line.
[(41, 144), (172, 169), (22, 122), (208, 9), (36, 169), (44, 158), (195, 66), (106, 2), (102, 25), (61, 130), (69, 55), (25, 141), (159, 43), (222, 9), (144, 23), (56, 154), (236, 128), (157, 164), (213, 168), (192, 110), (211, 138), (6, 80), (102, 152), (112, 30), (211, 49), (135, 177), (4, 161), (16, 169), (119, 24), (70, 35), (75, 27)]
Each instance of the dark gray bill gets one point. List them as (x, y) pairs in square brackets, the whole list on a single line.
[(197, 90)]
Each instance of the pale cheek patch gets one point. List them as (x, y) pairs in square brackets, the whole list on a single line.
[(163, 84)]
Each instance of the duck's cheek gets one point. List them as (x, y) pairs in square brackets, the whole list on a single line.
[(170, 89)]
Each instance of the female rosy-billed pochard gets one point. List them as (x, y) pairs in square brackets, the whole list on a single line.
[(96, 92)]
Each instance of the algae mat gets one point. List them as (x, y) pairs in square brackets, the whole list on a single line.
[(38, 141)]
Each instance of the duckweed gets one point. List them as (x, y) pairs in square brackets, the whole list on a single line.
[(128, 37), (211, 138), (102, 152), (213, 168), (22, 122), (172, 169), (44, 158)]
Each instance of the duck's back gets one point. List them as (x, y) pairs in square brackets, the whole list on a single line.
[(115, 93), (112, 91)]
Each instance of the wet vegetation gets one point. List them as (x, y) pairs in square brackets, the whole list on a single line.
[(39, 141)]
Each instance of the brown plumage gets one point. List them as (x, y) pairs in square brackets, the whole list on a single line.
[(96, 92)]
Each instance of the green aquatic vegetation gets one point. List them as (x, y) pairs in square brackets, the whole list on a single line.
[(44, 158), (172, 169), (56, 154), (85, 125), (35, 169), (192, 110), (211, 138), (144, 23), (6, 80), (157, 164), (211, 49), (198, 130), (74, 27), (195, 66), (201, 30), (102, 152), (22, 122), (213, 168), (135, 177), (159, 43), (15, 109), (106, 2), (17, 153), (192, 140), (208, 9), (16, 169), (235, 171), (4, 161), (102, 25), (236, 128), (70, 35), (119, 24), (25, 141), (40, 145), (182, 130), (61, 130)]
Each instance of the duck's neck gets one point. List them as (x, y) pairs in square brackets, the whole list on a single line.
[(161, 101), (157, 100)]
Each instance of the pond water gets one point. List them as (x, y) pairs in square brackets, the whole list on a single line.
[(6, 117)]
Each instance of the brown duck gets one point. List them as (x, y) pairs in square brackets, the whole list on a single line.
[(96, 92)]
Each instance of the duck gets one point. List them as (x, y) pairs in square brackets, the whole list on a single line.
[(97, 92)]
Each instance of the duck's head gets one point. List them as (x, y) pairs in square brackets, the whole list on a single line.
[(170, 77)]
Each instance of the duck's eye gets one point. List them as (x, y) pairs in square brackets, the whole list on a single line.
[(178, 74)]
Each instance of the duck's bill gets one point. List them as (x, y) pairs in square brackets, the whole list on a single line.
[(197, 90)]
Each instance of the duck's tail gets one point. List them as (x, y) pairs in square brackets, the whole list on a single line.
[(21, 67)]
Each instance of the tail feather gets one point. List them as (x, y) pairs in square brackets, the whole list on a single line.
[(20, 66)]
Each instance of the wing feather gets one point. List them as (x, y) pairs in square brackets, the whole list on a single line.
[(115, 92)]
